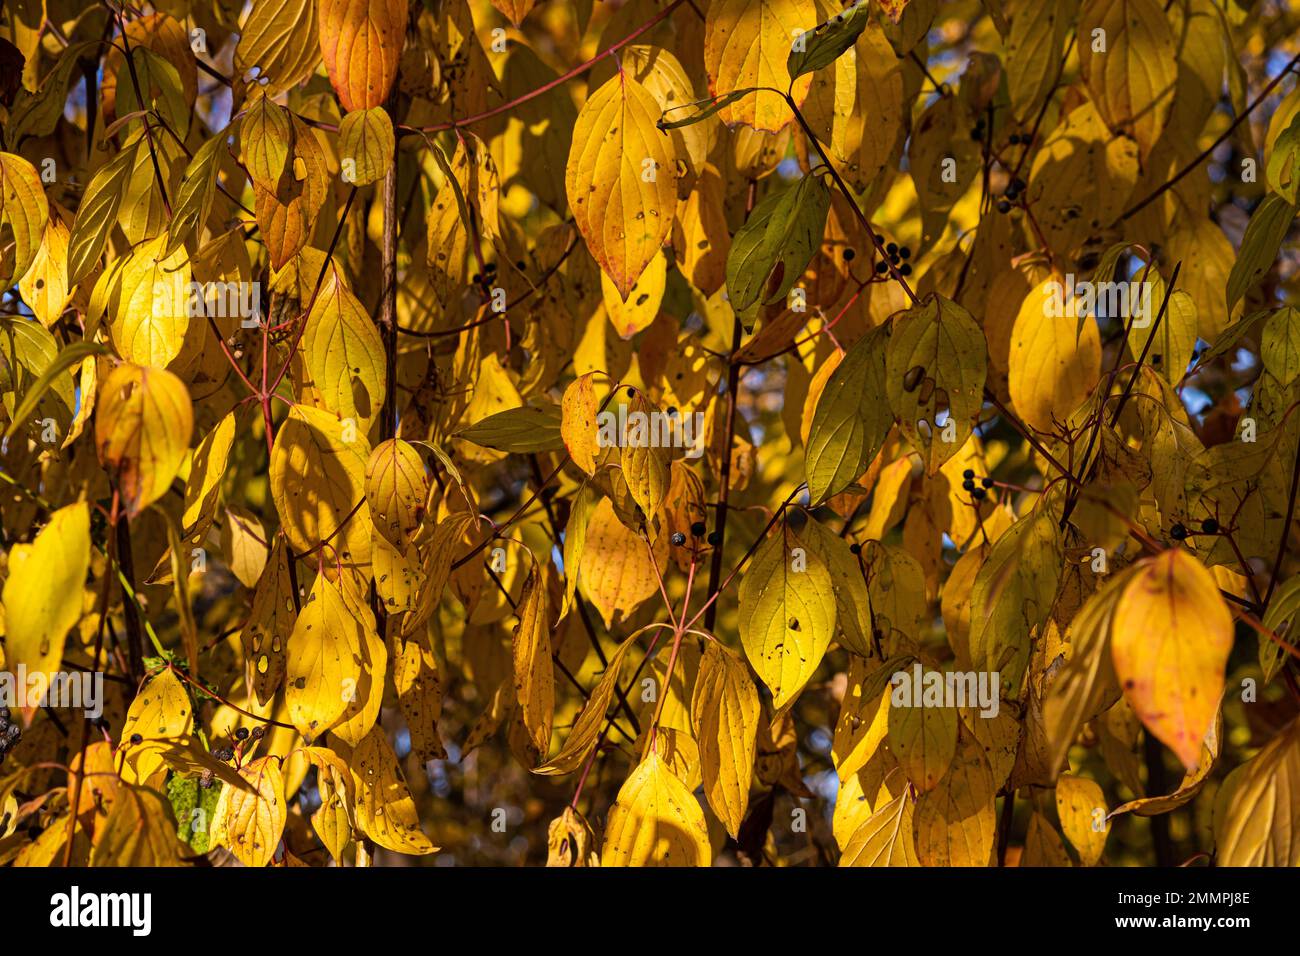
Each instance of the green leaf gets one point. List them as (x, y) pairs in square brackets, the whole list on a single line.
[(1264, 234), (1284, 163), (827, 42), (194, 199), (1279, 346), (97, 213), (70, 356), (851, 420), (1012, 596), (776, 243), (935, 361), (530, 428), (36, 114), (710, 106)]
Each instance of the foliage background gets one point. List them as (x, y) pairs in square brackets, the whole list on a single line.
[(389, 176)]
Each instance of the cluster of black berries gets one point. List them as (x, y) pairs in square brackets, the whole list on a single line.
[(9, 734), (1012, 193), (1179, 531), (968, 484), (977, 131), (697, 530), (897, 257), (488, 277)]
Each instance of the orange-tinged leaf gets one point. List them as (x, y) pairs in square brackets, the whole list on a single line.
[(143, 422), (361, 42), (1171, 636)]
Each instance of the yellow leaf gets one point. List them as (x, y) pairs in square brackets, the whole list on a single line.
[(343, 355), (323, 667), (955, 822), (366, 142), (149, 306), (570, 842), (534, 675), (1051, 370), (787, 614), (923, 738), (143, 424), (578, 422), (419, 696), (250, 824), (332, 820), (385, 811), (318, 476), (619, 179), (25, 211), (655, 821), (586, 729), (45, 285), (1171, 637), (279, 40), (396, 487), (645, 455), (270, 622), (361, 42), (641, 307), (1254, 810), (747, 44), (617, 573), (1132, 78), (161, 711), (724, 715), (43, 592), (884, 838), (1081, 805), (140, 831), (370, 653)]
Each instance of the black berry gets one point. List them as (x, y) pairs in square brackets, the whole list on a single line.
[(714, 538), (849, 254), (904, 270), (678, 539), (968, 473), (241, 733), (968, 484), (1210, 526), (1004, 206), (136, 739), (855, 548), (986, 482), (698, 529), (881, 267), (978, 494), (905, 252), (1178, 532), (892, 248)]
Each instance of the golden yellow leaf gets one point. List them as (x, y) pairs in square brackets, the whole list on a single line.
[(43, 592), (724, 715), (366, 146), (140, 831), (323, 665), (343, 355), (149, 305), (385, 811), (655, 821), (396, 488), (25, 211), (787, 613), (1051, 371), (332, 820), (620, 180), (250, 824), (318, 469), (746, 45), (1081, 805), (1254, 810), (534, 676)]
